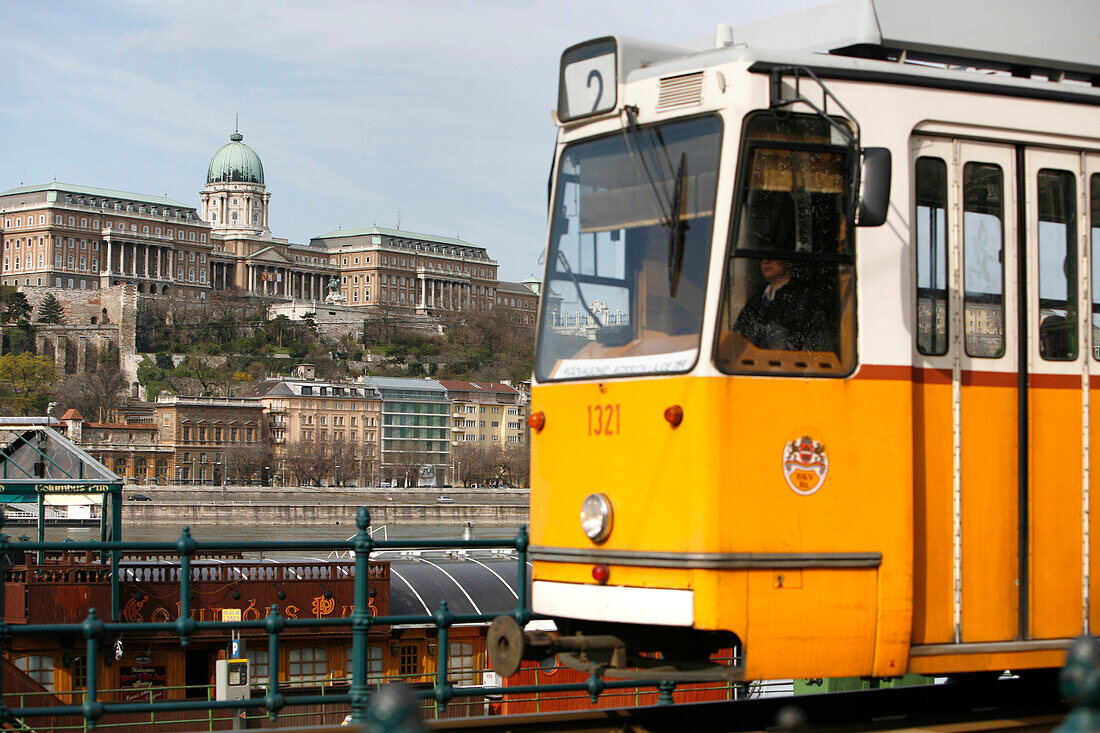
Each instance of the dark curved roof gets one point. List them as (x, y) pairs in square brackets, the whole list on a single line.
[(470, 583)]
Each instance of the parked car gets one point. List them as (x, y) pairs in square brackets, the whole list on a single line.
[(445, 500), (138, 497)]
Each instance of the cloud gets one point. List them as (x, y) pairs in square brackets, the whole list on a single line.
[(356, 108)]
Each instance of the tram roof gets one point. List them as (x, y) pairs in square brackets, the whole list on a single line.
[(1016, 35)]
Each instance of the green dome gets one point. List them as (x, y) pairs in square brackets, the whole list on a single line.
[(235, 162)]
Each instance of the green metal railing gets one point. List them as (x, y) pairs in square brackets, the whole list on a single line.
[(358, 696)]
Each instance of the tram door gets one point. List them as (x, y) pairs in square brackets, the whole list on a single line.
[(1058, 390), (1002, 465), (966, 396)]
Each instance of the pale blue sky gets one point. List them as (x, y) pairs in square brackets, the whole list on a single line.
[(357, 109)]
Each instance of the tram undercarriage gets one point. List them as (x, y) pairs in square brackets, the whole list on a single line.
[(622, 651)]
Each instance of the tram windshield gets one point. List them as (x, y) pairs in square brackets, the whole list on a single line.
[(629, 248)]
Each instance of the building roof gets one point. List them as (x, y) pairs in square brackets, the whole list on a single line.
[(121, 425), (235, 161), (293, 388), (33, 453), (469, 583), (404, 383), (101, 192), (396, 233), (72, 414), (459, 386), (517, 288)]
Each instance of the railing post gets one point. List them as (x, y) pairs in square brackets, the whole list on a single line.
[(666, 687), (273, 700), (185, 625), (1080, 686), (115, 502), (41, 534), (5, 563), (93, 630), (523, 609), (443, 691), (360, 619)]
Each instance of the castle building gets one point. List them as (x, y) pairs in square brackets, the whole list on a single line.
[(405, 269), (246, 255), (79, 237)]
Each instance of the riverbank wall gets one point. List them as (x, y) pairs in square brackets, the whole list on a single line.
[(298, 506)]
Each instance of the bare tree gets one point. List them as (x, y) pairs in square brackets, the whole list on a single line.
[(344, 464), (307, 462), (249, 463), (476, 463), (405, 467), (516, 464), (95, 394)]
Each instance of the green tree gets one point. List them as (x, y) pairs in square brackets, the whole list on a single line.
[(50, 310), (15, 309), (25, 383)]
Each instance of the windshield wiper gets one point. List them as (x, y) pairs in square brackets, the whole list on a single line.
[(678, 227), (674, 218)]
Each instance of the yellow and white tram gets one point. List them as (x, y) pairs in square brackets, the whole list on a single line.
[(837, 418)]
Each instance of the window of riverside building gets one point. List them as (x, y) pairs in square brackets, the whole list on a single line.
[(983, 260), (38, 667), (462, 663), (258, 666), (306, 666), (409, 659), (788, 302), (1057, 265)]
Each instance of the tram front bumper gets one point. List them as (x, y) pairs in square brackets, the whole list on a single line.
[(616, 604)]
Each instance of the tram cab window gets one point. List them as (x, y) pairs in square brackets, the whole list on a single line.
[(629, 250), (788, 304)]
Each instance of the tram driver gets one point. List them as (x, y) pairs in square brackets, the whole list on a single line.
[(785, 313)]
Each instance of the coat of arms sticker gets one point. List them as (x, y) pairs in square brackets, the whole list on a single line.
[(805, 465)]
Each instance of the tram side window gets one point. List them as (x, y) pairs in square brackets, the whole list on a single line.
[(1057, 266), (983, 260), (788, 305), (931, 228), (1094, 239)]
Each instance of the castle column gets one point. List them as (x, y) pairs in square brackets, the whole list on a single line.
[(146, 251), (110, 252)]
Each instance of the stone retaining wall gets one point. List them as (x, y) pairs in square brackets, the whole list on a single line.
[(191, 513)]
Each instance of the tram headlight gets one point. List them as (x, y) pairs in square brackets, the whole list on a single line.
[(596, 517)]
